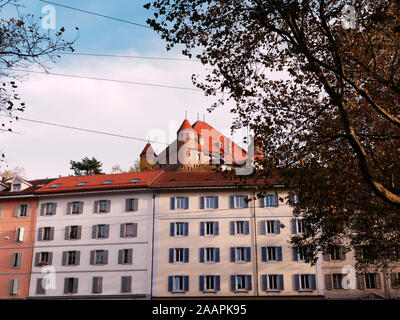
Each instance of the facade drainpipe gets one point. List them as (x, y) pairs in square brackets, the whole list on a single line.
[(152, 248), (255, 245)]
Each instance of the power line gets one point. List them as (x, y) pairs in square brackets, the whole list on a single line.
[(98, 14), (103, 79), (127, 56), (82, 129)]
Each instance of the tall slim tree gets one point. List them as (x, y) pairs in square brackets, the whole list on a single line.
[(86, 166)]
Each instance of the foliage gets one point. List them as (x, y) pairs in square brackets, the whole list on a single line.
[(86, 166)]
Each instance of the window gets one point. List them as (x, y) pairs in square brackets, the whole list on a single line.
[(132, 204), (294, 199), (129, 230), (100, 231), (41, 285), (209, 228), (47, 233), (16, 187), (179, 229), (97, 285), (23, 210), (71, 258), (73, 232), (107, 182), (269, 254), (270, 226), (43, 258), (239, 227), (134, 180), (209, 283), (76, 207), (209, 202), (126, 284), (300, 254), (304, 282), (178, 255), (241, 282), (103, 206), (125, 256), (13, 289), (370, 281), (100, 257), (49, 209), (55, 185), (71, 285), (16, 260), (178, 283), (337, 280), (270, 200), (180, 203), (20, 234), (81, 184), (395, 280), (238, 202), (240, 254), (209, 255), (336, 253), (297, 226), (272, 282)]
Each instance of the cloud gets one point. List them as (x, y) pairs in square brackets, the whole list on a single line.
[(131, 110)]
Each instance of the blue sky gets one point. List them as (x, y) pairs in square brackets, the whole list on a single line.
[(132, 110)]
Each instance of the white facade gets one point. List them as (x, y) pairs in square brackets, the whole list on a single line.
[(138, 262)]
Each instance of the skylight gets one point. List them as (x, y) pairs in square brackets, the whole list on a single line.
[(107, 182), (55, 185), (134, 180), (81, 183)]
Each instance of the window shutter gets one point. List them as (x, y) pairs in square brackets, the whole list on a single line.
[(75, 287), (312, 282), (279, 253), (248, 283), (64, 258), (107, 231), (186, 201), (262, 227), (126, 284), (233, 283), (277, 226), (122, 231), (216, 203), (69, 208), (79, 233), (378, 281), (186, 255), (94, 232), (342, 253), (13, 288), (171, 255), (264, 254), (233, 258), (96, 207), (51, 233), (201, 283), (326, 257), (17, 210), (394, 280), (105, 256), (37, 258), (248, 254), (127, 204), (295, 254), (360, 281), (217, 283), (217, 259), (201, 202), (40, 234), (28, 210), (66, 285), (186, 228), (92, 256), (186, 283), (170, 283), (77, 258), (120, 256), (172, 229), (42, 209), (246, 227), (135, 204), (262, 202), (293, 226), (296, 284), (19, 259), (135, 230), (130, 256), (264, 282), (328, 282), (97, 284), (39, 286), (232, 227), (66, 233), (216, 228), (202, 228), (246, 204), (108, 206), (232, 202), (276, 200), (201, 255), (54, 209), (172, 203), (280, 282), (50, 258), (81, 207)]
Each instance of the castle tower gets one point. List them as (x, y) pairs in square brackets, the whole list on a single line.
[(187, 145), (148, 156)]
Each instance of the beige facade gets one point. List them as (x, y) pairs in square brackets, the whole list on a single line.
[(240, 248)]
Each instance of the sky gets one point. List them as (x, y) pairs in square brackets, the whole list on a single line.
[(139, 111)]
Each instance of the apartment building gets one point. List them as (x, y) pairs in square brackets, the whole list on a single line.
[(18, 206), (93, 237), (210, 242)]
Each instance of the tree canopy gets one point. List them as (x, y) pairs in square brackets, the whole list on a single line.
[(86, 166), (330, 123)]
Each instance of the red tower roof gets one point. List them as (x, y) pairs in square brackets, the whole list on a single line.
[(185, 126)]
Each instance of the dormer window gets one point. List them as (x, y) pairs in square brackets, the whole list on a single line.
[(16, 187)]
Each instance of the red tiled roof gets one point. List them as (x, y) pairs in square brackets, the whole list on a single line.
[(185, 126), (148, 149), (36, 184), (96, 182)]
